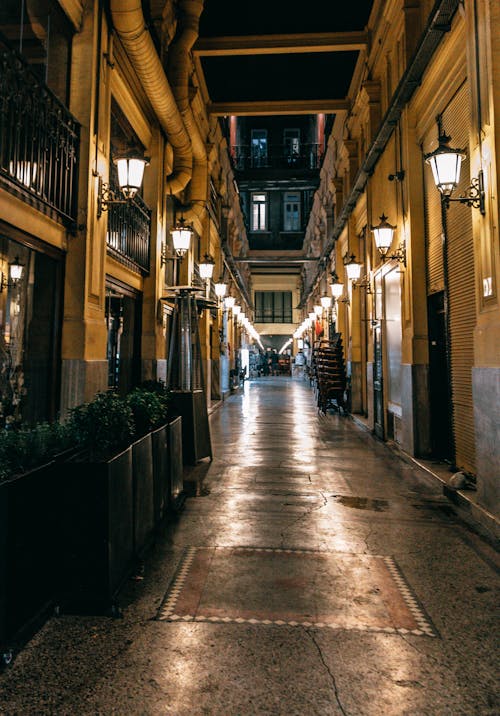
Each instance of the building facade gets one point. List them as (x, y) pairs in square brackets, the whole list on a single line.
[(422, 322), (92, 309)]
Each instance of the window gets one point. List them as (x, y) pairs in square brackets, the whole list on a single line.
[(291, 215), (29, 330), (273, 306), (259, 147), (259, 212), (291, 145)]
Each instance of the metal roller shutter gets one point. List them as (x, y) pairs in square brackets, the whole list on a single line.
[(461, 288)]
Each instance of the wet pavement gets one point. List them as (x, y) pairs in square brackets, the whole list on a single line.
[(312, 572)]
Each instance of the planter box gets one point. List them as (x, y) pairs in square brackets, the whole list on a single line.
[(97, 533), (196, 442), (28, 533), (161, 473), (176, 494), (142, 462)]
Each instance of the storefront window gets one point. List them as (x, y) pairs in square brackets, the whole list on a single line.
[(28, 335)]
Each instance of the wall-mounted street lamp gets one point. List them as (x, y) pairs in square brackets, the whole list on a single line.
[(336, 287), (383, 234), (236, 309), (181, 237), (130, 175), (15, 275), (206, 267), (352, 267), (353, 270), (181, 234), (318, 309), (446, 164), (220, 288), (326, 302), (229, 302)]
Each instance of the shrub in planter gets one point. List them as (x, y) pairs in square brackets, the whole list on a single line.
[(162, 456), (104, 426), (30, 468), (97, 506), (162, 392), (148, 409), (172, 483), (29, 447)]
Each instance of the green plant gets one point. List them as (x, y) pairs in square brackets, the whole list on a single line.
[(148, 408), (29, 447), (158, 387), (103, 426)]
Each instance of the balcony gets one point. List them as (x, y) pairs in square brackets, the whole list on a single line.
[(277, 158), (276, 241), (129, 234), (39, 140)]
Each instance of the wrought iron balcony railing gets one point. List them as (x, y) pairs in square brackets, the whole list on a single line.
[(277, 156), (39, 139), (129, 233)]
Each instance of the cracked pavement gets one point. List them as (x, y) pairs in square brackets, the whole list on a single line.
[(289, 607)]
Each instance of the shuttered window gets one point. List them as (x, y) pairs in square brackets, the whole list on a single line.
[(456, 122)]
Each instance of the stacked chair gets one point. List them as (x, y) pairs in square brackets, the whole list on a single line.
[(328, 375)]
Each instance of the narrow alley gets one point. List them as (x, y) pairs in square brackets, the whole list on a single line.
[(312, 571)]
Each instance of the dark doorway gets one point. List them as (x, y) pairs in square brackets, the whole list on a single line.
[(440, 405), (123, 318), (378, 383)]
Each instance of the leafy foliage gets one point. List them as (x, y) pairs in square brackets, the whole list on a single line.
[(24, 449), (103, 426), (148, 409)]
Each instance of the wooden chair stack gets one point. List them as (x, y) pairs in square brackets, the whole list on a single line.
[(330, 374)]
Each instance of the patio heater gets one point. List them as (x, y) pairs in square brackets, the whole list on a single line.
[(185, 375), (185, 378)]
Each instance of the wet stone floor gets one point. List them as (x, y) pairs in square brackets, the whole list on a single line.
[(312, 571)]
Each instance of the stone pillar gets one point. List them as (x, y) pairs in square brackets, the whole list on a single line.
[(153, 340), (415, 349), (84, 364), (371, 92), (351, 148), (486, 370), (412, 26)]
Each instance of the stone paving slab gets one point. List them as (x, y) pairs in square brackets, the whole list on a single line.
[(295, 588)]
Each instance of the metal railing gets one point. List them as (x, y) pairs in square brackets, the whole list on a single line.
[(277, 156), (129, 233), (39, 138)]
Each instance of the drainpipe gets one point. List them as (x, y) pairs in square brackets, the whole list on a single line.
[(128, 21), (178, 72)]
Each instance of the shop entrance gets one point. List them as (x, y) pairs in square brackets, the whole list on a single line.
[(123, 319), (440, 404)]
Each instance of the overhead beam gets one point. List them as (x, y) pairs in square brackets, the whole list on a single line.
[(263, 107), (280, 44), (279, 260)]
